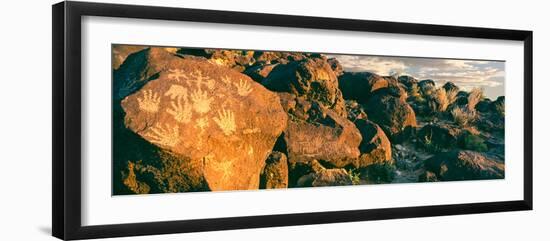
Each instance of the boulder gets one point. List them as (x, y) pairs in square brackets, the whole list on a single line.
[(355, 111), (450, 86), (360, 86), (220, 121), (312, 78), (331, 177), (408, 81), (484, 105), (315, 132), (275, 172), (238, 60), (375, 147), (394, 115), (336, 66), (426, 86), (464, 165), (436, 137), (272, 57)]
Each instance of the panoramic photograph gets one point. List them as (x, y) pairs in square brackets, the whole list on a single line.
[(195, 119)]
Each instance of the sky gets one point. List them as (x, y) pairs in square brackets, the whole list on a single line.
[(467, 74)]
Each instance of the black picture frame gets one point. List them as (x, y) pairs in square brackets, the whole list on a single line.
[(66, 59)]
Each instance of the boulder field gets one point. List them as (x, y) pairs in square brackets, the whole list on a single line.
[(218, 120)]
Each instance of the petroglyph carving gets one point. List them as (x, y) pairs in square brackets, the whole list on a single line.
[(181, 110), (176, 91), (177, 74), (225, 167), (201, 101), (150, 101), (243, 88), (164, 136), (226, 121), (226, 80), (202, 123), (200, 80)]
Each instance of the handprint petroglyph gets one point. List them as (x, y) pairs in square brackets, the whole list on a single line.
[(181, 110), (225, 167), (177, 74), (243, 88), (226, 80), (226, 121), (200, 79), (150, 101), (176, 91), (201, 101), (202, 123), (164, 136)]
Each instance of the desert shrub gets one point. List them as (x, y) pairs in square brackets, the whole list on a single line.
[(428, 144), (473, 142), (355, 176), (440, 97), (443, 99), (476, 94), (463, 117)]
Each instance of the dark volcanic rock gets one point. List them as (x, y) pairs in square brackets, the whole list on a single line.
[(275, 172), (375, 147), (450, 86), (464, 165), (394, 115), (408, 81), (336, 66), (360, 86), (331, 177), (270, 57), (426, 86), (484, 105), (439, 136), (312, 78)]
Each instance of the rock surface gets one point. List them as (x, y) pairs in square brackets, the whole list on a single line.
[(315, 132), (275, 172), (464, 165), (312, 78), (375, 147), (360, 86), (394, 115), (219, 120)]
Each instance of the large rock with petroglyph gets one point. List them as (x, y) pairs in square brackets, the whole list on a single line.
[(218, 120), (315, 132)]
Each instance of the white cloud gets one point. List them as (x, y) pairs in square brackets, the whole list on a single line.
[(466, 74)]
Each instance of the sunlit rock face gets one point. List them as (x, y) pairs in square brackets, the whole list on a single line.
[(219, 120)]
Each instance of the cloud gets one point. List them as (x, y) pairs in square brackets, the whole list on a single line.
[(464, 73)]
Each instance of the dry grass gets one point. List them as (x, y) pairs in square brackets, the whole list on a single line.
[(444, 98), (476, 94), (463, 117)]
